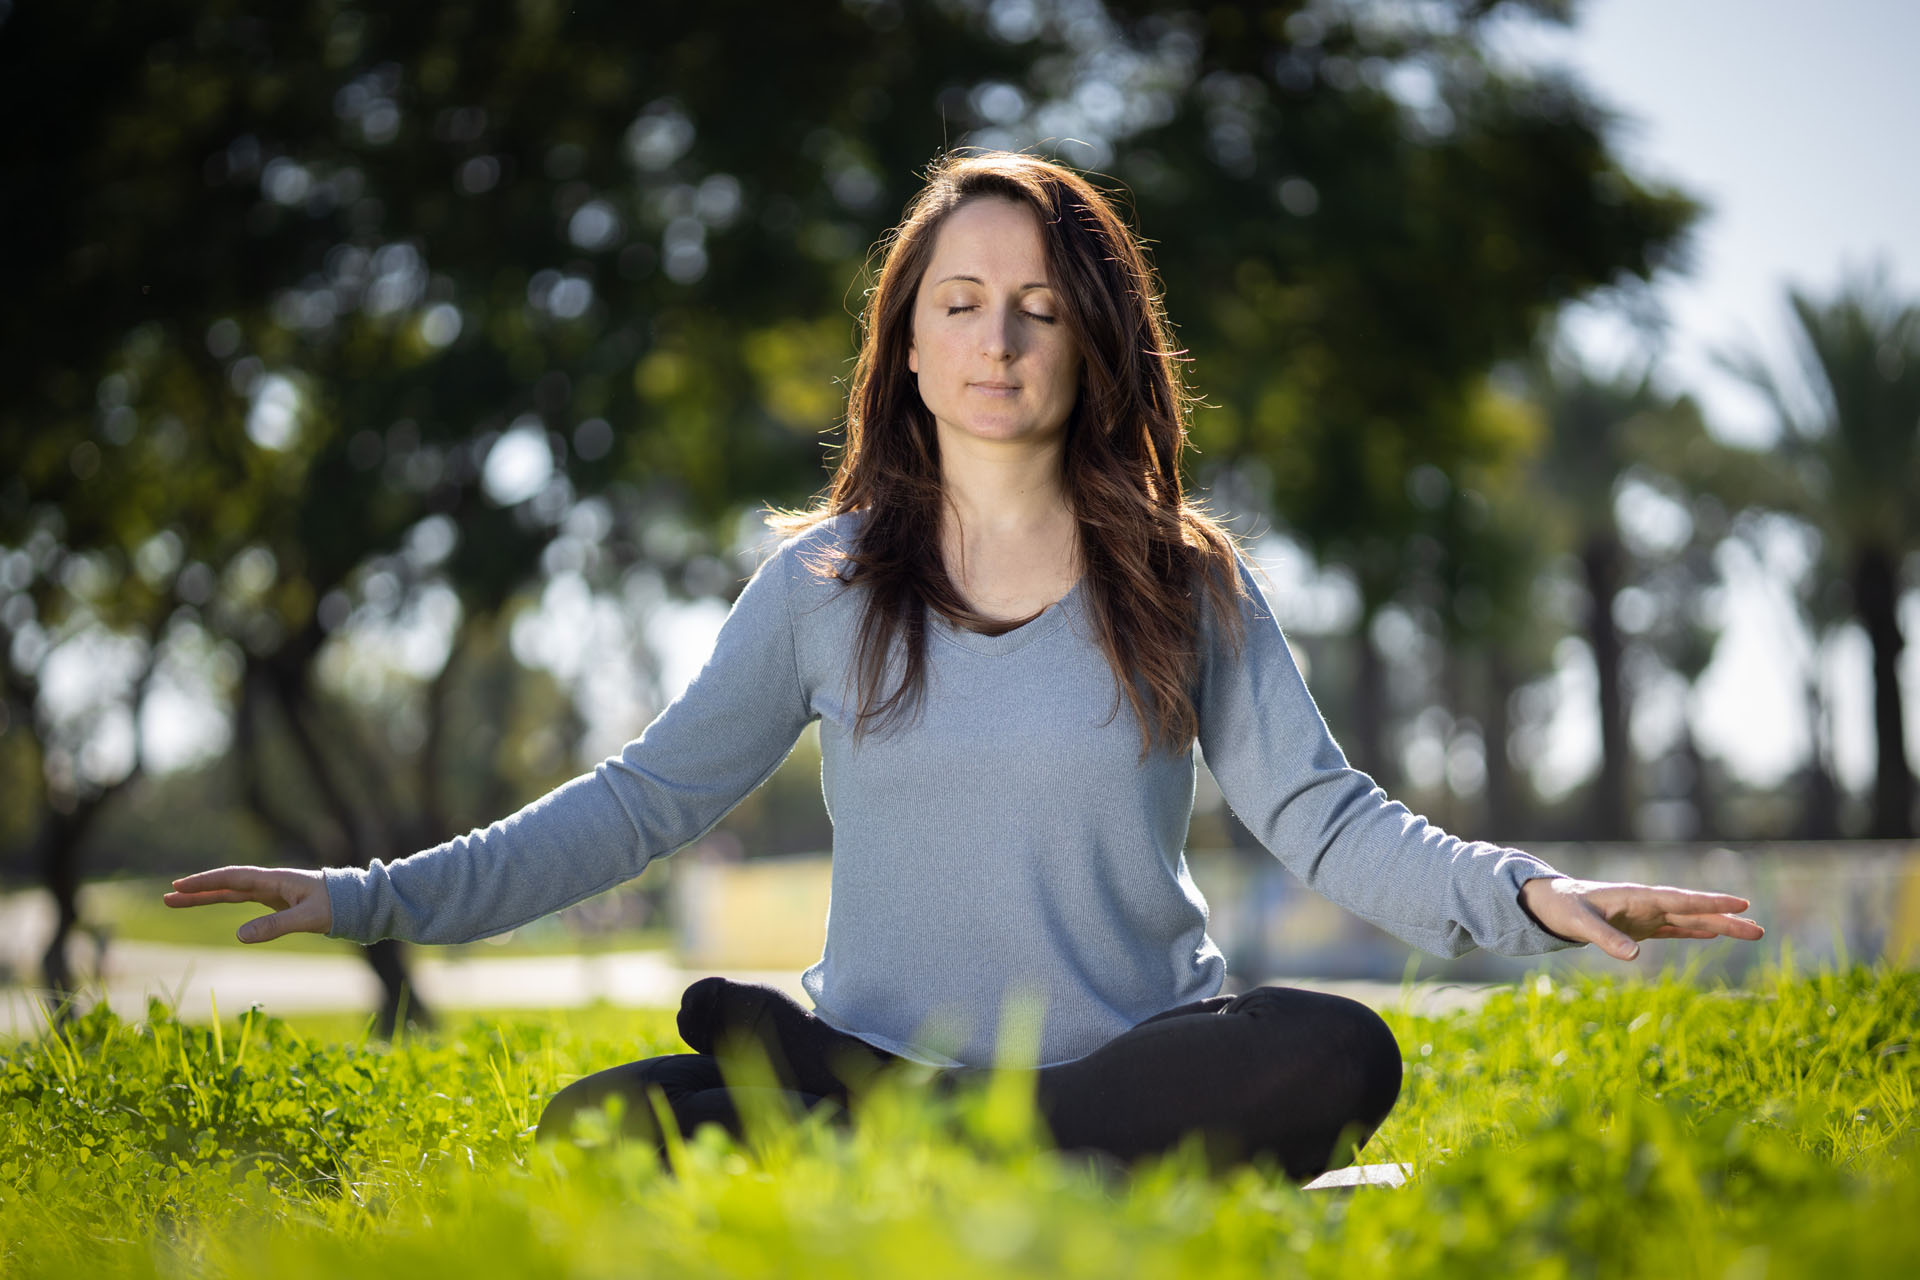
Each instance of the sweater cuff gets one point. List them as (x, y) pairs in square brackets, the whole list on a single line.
[(348, 898), (1525, 935)]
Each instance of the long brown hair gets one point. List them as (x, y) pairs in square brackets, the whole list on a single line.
[(1146, 549)]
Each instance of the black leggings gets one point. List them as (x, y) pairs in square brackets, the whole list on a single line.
[(1301, 1077)]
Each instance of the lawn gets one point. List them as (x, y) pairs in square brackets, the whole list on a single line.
[(1596, 1128), (130, 909)]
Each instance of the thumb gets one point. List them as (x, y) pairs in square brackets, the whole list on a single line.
[(263, 928), (1613, 942), (297, 918)]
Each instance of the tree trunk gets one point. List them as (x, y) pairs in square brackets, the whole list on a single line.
[(1706, 808), (1503, 810), (399, 1003), (1876, 602), (434, 823), (1610, 814), (1457, 812), (1820, 795), (1369, 753), (68, 819), (59, 842)]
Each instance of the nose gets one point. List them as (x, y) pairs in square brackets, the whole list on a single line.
[(999, 336)]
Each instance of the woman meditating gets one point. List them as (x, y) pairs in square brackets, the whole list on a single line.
[(1014, 629)]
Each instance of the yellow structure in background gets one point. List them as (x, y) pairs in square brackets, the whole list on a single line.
[(1860, 899), (1903, 932), (767, 913)]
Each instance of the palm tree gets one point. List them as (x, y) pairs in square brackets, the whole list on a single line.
[(1588, 450), (1851, 442)]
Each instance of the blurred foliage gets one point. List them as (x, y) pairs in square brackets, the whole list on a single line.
[(1389, 214), (286, 279), (128, 909), (331, 322)]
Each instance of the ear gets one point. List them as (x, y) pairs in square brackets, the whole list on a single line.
[(913, 357)]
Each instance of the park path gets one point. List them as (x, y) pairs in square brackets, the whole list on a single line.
[(191, 979)]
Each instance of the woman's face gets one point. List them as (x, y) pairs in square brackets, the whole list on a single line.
[(990, 346)]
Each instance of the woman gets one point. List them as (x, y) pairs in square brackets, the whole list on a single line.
[(1013, 628)]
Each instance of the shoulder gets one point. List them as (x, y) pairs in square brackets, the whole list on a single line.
[(1230, 589), (1239, 625), (826, 541), (812, 561)]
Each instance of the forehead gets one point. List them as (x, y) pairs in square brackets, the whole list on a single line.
[(994, 239)]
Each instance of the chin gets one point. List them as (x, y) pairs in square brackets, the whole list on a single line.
[(1006, 432)]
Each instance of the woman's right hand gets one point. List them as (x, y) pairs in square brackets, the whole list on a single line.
[(298, 897)]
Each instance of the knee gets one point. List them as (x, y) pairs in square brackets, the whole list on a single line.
[(1366, 1052), (556, 1119), (628, 1089), (1370, 1073), (699, 1018), (715, 1007), (1377, 1056)]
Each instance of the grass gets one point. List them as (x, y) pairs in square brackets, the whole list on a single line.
[(1596, 1128), (130, 909)]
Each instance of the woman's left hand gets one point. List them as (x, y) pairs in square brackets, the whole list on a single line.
[(1613, 916)]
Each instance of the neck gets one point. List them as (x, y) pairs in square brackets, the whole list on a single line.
[(1007, 536), (1000, 489)]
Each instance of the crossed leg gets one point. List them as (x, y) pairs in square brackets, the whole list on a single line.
[(1301, 1077)]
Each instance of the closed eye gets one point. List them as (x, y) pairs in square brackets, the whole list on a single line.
[(1031, 315)]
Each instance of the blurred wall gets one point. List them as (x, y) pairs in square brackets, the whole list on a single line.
[(1825, 903)]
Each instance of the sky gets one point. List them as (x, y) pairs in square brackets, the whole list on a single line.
[(1794, 123)]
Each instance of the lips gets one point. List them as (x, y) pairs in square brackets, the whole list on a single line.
[(998, 386)]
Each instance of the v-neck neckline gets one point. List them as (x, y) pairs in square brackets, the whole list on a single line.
[(1048, 621)]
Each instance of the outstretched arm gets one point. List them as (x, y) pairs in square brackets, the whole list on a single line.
[(1614, 916), (1289, 782), (716, 743)]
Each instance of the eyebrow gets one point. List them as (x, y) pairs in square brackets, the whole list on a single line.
[(1031, 284)]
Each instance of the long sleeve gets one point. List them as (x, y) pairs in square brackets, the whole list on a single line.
[(1288, 781), (699, 758)]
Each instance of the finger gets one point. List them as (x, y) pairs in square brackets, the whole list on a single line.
[(263, 928), (1609, 939), (1620, 946), (206, 898), (1695, 902), (1721, 926), (239, 879), (298, 918)]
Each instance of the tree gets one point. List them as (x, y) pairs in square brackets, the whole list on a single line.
[(1388, 214), (304, 276), (1850, 439)]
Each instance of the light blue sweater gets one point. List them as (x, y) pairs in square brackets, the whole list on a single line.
[(1008, 849)]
